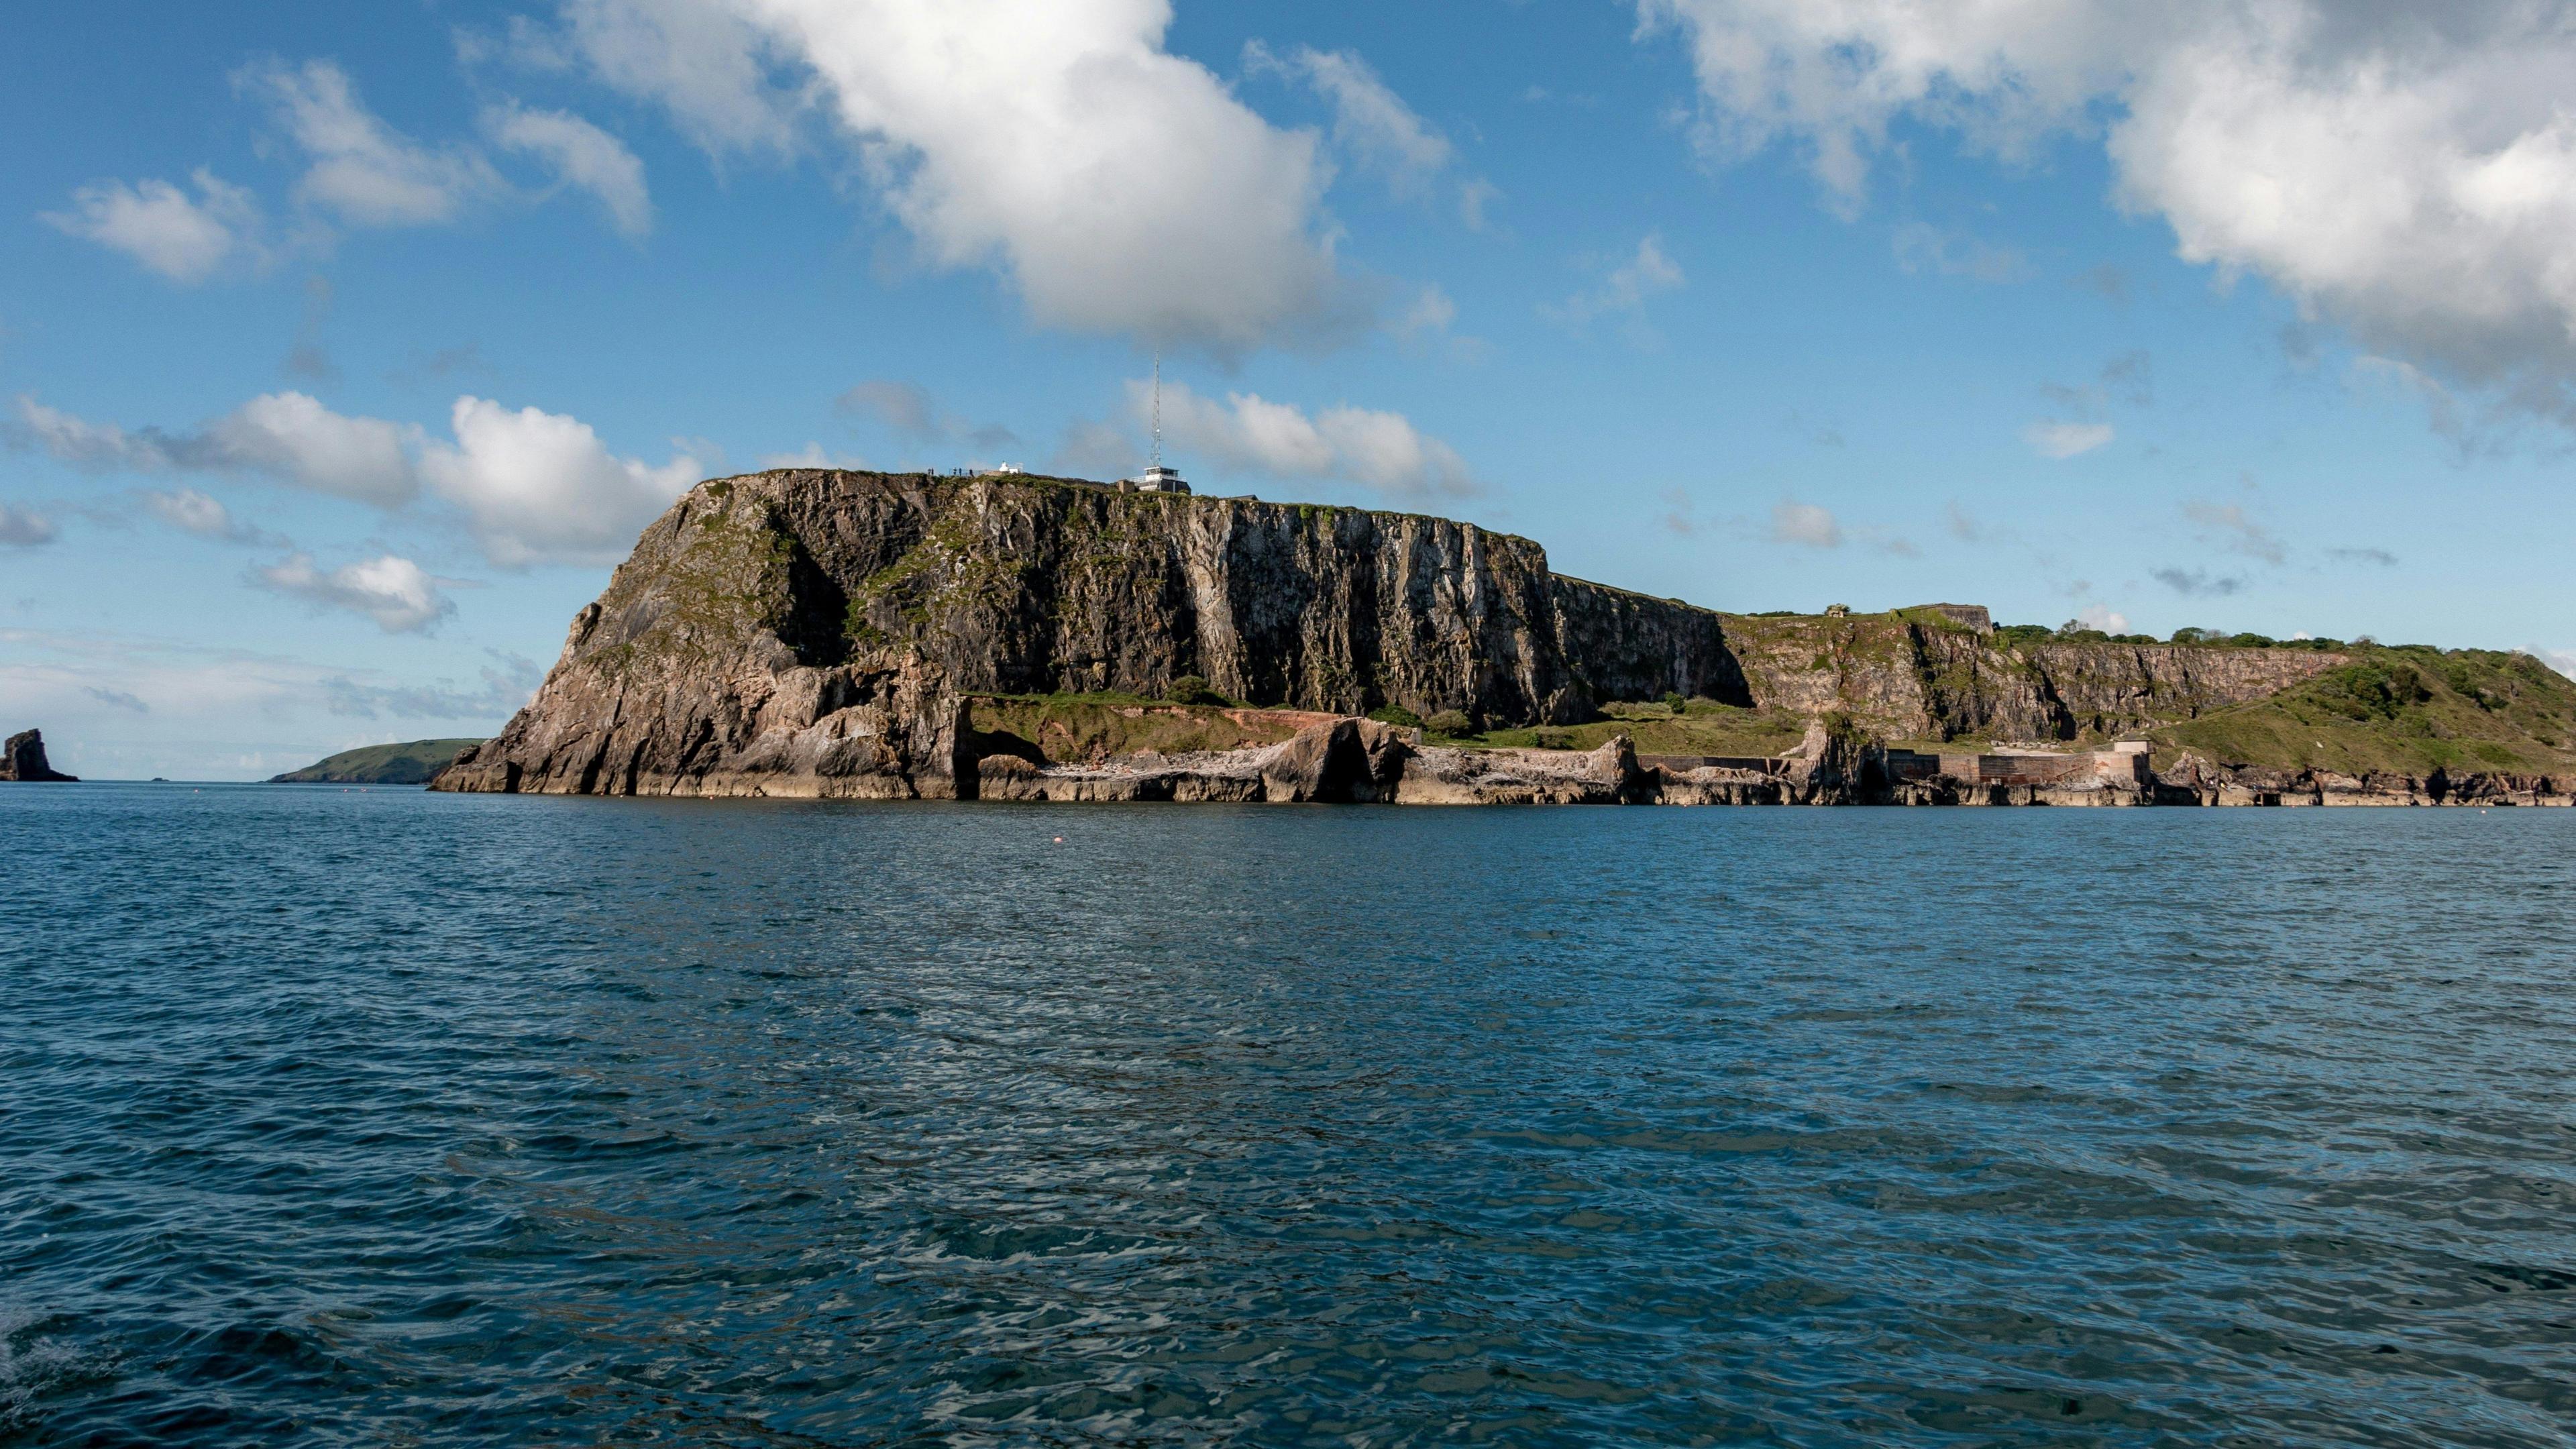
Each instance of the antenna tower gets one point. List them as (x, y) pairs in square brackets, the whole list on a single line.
[(1158, 407)]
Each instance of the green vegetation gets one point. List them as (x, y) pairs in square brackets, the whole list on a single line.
[(2405, 710), (1396, 714), (403, 764), (1191, 689), (1450, 724), (1072, 728)]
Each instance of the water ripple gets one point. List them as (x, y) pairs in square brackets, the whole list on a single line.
[(366, 1118)]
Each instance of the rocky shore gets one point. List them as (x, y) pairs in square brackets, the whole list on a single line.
[(833, 634)]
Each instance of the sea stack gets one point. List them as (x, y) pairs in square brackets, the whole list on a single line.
[(23, 759)]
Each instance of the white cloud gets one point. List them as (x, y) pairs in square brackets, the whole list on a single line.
[(535, 487), (393, 591), (1379, 450), (1805, 523), (292, 436), (362, 169), (1626, 288), (707, 64), (540, 487), (1120, 188), (1432, 311), (2407, 171), (24, 528), (286, 435), (190, 511), (580, 154), (2065, 440), (2109, 621), (1371, 123), (159, 226)]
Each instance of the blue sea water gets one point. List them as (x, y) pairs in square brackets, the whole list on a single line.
[(336, 1117)]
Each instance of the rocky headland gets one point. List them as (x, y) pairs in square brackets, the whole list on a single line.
[(864, 635), (22, 759)]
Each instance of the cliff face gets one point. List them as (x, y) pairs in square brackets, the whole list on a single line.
[(22, 758), (1915, 679), (826, 625), (831, 633)]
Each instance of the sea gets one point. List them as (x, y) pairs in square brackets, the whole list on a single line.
[(374, 1117)]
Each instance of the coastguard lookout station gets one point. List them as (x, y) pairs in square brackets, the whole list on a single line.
[(1156, 478)]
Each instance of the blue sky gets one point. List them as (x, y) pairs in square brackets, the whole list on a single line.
[(343, 349)]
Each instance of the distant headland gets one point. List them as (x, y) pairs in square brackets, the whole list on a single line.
[(411, 763), (810, 633)]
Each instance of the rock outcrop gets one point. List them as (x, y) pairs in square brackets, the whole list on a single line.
[(816, 632), (1938, 679), (23, 759)]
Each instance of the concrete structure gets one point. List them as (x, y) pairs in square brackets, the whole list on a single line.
[(2124, 763), (1159, 479)]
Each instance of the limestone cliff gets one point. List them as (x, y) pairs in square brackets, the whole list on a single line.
[(849, 634), (1912, 676), (825, 627)]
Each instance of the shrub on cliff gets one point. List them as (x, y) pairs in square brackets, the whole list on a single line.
[(1396, 714), (1191, 689), (1451, 722)]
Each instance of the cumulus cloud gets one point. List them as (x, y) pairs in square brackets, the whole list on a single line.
[(1379, 450), (393, 591), (293, 437), (2097, 616), (540, 487), (287, 435), (2408, 172), (24, 528), (2230, 527), (1119, 187), (581, 155), (1808, 524), (1625, 288), (184, 239), (362, 170), (2066, 440), (534, 487)]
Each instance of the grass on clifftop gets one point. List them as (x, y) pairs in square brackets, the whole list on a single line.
[(2404, 710), (403, 764)]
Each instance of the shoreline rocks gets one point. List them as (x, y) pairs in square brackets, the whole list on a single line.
[(22, 759)]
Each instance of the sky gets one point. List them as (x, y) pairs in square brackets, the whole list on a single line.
[(345, 349)]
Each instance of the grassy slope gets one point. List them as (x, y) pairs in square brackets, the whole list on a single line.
[(403, 764), (2405, 711), (1070, 728)]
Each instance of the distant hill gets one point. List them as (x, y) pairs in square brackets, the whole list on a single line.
[(407, 764)]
